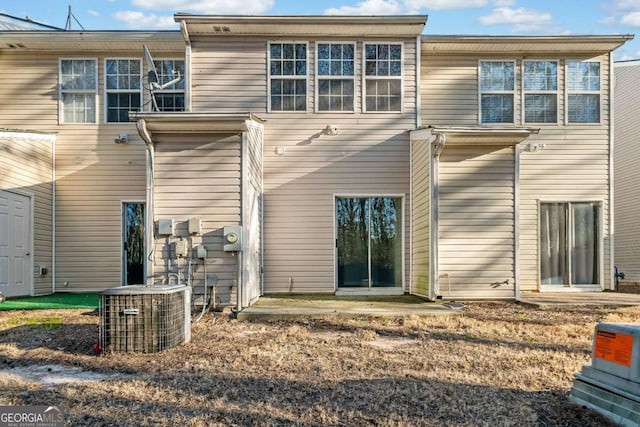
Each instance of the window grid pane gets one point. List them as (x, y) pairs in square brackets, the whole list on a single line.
[(123, 84), (497, 82), (383, 77), (288, 63), (540, 108), (583, 87), (78, 79), (172, 97)]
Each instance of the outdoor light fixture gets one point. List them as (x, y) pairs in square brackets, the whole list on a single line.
[(123, 138), (532, 147), (331, 130)]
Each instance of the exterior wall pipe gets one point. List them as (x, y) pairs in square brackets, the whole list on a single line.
[(612, 82), (438, 147), (516, 222), (141, 125), (187, 65), (53, 219)]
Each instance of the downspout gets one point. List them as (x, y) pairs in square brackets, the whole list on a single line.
[(612, 77), (141, 125), (261, 210), (411, 142), (187, 65), (53, 219), (438, 146), (516, 223), (243, 215)]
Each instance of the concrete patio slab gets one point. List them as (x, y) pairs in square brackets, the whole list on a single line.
[(612, 299), (296, 306)]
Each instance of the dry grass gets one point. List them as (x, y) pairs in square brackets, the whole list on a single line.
[(495, 364)]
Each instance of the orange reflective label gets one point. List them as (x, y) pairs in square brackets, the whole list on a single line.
[(614, 347)]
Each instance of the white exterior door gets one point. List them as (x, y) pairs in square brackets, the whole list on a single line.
[(15, 244)]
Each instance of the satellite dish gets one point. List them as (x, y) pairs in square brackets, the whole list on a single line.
[(154, 80)]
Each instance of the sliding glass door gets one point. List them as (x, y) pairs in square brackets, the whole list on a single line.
[(369, 242), (570, 243)]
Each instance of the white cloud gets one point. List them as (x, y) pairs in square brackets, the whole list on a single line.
[(623, 6), (503, 3), (609, 20), (135, 19), (520, 19), (368, 7), (93, 13), (631, 19), (207, 6), (445, 4)]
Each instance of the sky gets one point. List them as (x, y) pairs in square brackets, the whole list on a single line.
[(479, 17)]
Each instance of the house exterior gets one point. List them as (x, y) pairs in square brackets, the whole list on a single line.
[(317, 154), (627, 170)]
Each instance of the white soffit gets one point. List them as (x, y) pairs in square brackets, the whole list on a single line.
[(522, 45), (194, 123), (303, 26), (88, 41), (477, 135)]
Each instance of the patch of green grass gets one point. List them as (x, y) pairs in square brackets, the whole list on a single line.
[(50, 323)]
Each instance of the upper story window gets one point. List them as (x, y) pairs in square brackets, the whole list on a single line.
[(583, 92), (497, 81), (540, 89), (288, 76), (172, 97), (123, 83), (336, 76), (383, 76), (78, 90)]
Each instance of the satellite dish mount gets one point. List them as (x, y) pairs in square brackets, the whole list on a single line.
[(154, 80)]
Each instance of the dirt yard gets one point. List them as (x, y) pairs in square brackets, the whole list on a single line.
[(494, 364)]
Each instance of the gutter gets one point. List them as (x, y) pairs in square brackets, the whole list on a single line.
[(141, 125)]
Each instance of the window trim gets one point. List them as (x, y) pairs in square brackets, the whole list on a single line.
[(107, 91), (512, 92), (364, 77), (269, 77), (524, 93), (148, 102), (317, 76), (567, 92), (61, 91), (601, 272)]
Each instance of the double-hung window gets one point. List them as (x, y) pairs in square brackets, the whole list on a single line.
[(383, 76), (123, 82), (540, 89), (570, 243), (583, 92), (288, 76), (170, 98), (497, 82), (78, 90), (336, 76)]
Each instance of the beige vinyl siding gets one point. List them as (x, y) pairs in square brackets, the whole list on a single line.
[(627, 170), (476, 223), (198, 176), (26, 162), (421, 218), (94, 175), (574, 165), (369, 156)]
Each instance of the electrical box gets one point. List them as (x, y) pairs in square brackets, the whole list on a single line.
[(165, 227), (200, 252), (181, 248), (233, 238), (195, 226)]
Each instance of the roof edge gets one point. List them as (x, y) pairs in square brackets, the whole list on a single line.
[(302, 19)]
